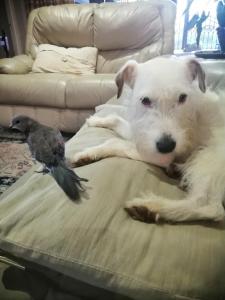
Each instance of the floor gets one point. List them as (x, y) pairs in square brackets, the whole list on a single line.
[(15, 159), (7, 294)]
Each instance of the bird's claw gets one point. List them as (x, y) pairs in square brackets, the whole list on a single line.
[(44, 171)]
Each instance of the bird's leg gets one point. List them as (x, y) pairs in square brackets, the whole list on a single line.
[(33, 160), (82, 189), (22, 141), (44, 170)]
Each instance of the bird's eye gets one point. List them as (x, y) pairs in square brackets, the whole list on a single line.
[(146, 101), (182, 98), (18, 121)]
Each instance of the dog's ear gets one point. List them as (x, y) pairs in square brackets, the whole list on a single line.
[(196, 71), (126, 74)]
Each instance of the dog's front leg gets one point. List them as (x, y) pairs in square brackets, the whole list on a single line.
[(206, 179), (113, 147), (113, 122), (154, 208)]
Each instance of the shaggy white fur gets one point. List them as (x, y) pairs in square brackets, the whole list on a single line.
[(169, 117)]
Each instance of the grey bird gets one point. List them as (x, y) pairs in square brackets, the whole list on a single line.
[(47, 147)]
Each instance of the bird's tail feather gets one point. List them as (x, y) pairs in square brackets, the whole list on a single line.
[(68, 180)]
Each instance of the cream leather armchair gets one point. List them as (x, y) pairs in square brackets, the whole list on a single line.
[(139, 31)]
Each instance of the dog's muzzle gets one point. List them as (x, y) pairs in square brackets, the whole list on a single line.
[(166, 144)]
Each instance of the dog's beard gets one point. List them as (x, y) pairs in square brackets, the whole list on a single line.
[(164, 160), (156, 158)]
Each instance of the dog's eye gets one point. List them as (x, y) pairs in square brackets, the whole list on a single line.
[(146, 101), (182, 98)]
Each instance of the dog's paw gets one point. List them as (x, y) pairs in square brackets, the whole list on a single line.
[(140, 210), (83, 158), (173, 171), (183, 185), (95, 121), (141, 213)]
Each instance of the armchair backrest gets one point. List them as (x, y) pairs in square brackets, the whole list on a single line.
[(139, 30)]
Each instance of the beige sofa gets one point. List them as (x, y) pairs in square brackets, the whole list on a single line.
[(120, 32)]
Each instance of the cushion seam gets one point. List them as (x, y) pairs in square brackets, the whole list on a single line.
[(95, 267)]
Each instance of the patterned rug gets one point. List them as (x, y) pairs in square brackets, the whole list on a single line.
[(15, 158)]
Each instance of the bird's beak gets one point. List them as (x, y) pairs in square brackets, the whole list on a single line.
[(11, 126)]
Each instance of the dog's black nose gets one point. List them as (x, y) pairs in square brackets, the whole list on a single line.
[(166, 144)]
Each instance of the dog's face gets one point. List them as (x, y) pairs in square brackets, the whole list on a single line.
[(165, 96)]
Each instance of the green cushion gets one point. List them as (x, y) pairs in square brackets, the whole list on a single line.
[(98, 243)]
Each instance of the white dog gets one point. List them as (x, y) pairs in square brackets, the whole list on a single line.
[(169, 118)]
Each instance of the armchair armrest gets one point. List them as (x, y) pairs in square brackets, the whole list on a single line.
[(20, 64)]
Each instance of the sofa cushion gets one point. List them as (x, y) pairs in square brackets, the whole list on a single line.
[(139, 30), (54, 59), (64, 25), (68, 120), (95, 241), (112, 61), (141, 25), (33, 89), (56, 90), (90, 91)]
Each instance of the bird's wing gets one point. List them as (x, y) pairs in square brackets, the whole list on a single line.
[(46, 145), (56, 142), (40, 148)]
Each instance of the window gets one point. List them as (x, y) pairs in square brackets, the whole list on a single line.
[(196, 24)]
